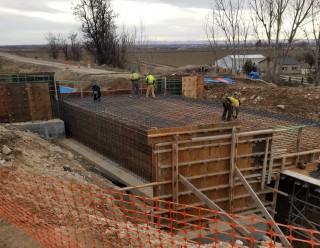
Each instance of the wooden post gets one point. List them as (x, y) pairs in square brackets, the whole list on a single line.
[(265, 161), (275, 194), (175, 170), (270, 166), (233, 158), (260, 205), (298, 144)]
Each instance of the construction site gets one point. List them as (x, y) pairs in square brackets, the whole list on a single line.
[(184, 177)]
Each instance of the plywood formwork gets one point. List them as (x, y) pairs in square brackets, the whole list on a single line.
[(28, 97), (161, 139)]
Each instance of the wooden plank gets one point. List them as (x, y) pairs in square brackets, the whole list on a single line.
[(302, 175), (298, 144), (214, 206), (175, 170), (262, 208), (233, 158), (275, 194), (264, 167), (270, 166), (39, 99)]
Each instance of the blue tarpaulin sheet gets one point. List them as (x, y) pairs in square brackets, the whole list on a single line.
[(254, 75), (219, 80), (65, 89)]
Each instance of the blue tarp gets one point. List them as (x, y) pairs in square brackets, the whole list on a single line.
[(65, 89), (219, 80), (254, 75)]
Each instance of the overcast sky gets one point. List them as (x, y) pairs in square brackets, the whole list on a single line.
[(28, 21)]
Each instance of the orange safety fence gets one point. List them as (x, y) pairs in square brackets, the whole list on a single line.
[(58, 213)]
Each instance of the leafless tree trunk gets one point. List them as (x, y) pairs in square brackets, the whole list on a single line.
[(100, 31), (75, 46), (141, 47), (65, 48), (53, 44), (226, 23), (313, 37), (280, 20)]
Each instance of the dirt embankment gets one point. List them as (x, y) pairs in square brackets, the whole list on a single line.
[(300, 101)]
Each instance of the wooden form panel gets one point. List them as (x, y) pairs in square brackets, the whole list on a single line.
[(3, 105), (204, 159), (18, 103), (193, 87), (39, 98)]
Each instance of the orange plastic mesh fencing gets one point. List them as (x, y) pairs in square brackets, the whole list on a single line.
[(59, 213)]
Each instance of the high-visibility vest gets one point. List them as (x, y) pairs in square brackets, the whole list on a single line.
[(135, 76), (150, 79), (234, 101)]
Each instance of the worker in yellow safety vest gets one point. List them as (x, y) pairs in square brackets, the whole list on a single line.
[(229, 104), (150, 80), (135, 84)]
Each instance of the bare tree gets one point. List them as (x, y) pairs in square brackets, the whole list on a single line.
[(280, 20), (141, 47), (75, 46), (313, 37), (100, 31), (53, 44), (226, 23), (64, 47)]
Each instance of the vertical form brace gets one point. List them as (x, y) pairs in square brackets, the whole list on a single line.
[(298, 144), (270, 166), (283, 164), (233, 159), (260, 205), (275, 194), (264, 167), (175, 169)]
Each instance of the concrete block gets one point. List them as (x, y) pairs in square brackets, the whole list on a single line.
[(49, 129)]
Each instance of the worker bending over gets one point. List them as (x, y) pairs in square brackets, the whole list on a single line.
[(230, 103)]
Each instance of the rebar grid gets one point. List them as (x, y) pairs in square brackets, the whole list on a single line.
[(175, 111), (117, 125)]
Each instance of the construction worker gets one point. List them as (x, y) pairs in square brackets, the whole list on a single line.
[(96, 92), (135, 81), (230, 103), (150, 85)]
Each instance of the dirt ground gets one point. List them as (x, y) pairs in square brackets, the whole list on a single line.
[(26, 152)]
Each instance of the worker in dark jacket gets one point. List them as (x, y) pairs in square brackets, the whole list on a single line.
[(96, 92), (229, 104)]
